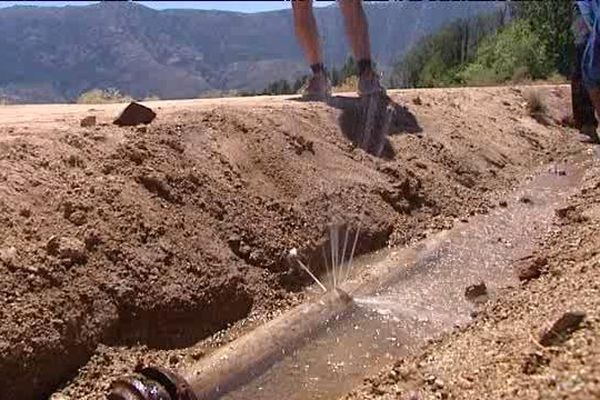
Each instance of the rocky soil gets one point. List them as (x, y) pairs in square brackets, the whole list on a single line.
[(160, 242)]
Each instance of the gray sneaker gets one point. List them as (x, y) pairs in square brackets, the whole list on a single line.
[(316, 88), (369, 84)]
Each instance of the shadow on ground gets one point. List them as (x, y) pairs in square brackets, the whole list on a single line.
[(367, 122)]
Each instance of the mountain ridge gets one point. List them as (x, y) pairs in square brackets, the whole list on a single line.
[(53, 54)]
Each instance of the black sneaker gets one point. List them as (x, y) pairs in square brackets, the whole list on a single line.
[(591, 132), (369, 84), (317, 88)]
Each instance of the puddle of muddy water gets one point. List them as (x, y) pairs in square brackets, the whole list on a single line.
[(421, 298)]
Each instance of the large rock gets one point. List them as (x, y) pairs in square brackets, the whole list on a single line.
[(135, 114)]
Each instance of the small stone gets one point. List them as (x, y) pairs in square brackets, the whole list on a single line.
[(88, 121), (421, 165), (531, 268), (196, 355), (157, 184), (59, 396), (565, 211), (562, 329), (25, 212), (173, 359), (72, 250), (52, 245), (8, 256), (93, 238), (69, 249), (525, 200), (475, 291), (234, 239), (533, 362), (78, 218), (417, 101), (245, 249), (412, 395), (142, 129), (503, 203), (135, 114)]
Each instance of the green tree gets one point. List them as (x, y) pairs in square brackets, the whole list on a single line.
[(281, 86), (551, 21), (348, 69), (298, 83), (516, 50), (334, 76), (435, 60)]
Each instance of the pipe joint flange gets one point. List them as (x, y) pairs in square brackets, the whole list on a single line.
[(151, 383)]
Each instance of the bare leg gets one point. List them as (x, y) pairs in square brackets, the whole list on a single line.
[(318, 86), (357, 28), (357, 31), (306, 31)]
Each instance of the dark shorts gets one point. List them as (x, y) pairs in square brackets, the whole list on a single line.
[(583, 110), (591, 64)]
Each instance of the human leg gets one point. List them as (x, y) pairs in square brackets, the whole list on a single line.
[(307, 33), (357, 31)]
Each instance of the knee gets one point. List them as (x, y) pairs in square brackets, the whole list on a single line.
[(302, 10), (302, 7), (350, 5)]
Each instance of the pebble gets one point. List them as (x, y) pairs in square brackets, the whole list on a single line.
[(8, 256)]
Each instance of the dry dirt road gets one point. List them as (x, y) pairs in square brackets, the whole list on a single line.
[(159, 243)]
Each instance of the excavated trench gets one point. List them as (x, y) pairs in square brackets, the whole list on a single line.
[(402, 297), (188, 222), (398, 299)]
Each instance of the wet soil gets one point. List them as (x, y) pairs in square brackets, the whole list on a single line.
[(121, 245), (537, 339), (426, 289)]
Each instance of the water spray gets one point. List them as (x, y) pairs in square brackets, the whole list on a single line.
[(239, 362), (246, 358), (294, 255)]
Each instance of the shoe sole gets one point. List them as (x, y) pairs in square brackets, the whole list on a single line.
[(315, 97)]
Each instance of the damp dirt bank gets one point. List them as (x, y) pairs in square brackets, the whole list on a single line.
[(537, 337), (406, 296)]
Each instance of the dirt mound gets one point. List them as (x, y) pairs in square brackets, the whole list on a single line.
[(165, 234)]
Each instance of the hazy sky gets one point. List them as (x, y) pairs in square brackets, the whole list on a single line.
[(242, 6)]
